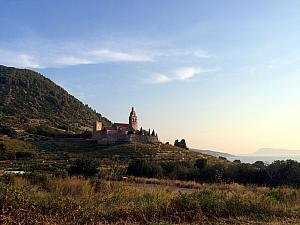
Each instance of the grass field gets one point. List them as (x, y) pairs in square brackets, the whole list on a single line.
[(41, 199)]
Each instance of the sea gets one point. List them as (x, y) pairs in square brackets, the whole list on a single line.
[(265, 159)]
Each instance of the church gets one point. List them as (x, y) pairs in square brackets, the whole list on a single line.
[(122, 132)]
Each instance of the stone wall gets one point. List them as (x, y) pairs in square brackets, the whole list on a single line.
[(142, 138), (119, 137)]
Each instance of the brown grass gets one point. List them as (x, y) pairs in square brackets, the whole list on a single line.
[(78, 201)]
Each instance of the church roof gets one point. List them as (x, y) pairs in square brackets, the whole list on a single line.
[(110, 128), (121, 125)]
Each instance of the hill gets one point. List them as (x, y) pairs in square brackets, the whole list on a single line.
[(48, 119), (212, 153), (62, 151), (29, 98), (276, 151)]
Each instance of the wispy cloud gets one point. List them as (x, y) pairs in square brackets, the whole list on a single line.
[(180, 74), (159, 78), (198, 53), (99, 56), (38, 53), (61, 59), (19, 59)]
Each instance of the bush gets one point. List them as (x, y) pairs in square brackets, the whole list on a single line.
[(181, 144), (7, 131), (201, 163), (62, 173), (141, 168), (84, 166), (25, 155)]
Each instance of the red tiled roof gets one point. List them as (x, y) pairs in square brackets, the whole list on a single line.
[(110, 128), (121, 125)]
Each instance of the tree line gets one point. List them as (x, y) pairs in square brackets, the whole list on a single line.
[(278, 173)]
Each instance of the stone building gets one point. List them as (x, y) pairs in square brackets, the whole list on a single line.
[(122, 132)]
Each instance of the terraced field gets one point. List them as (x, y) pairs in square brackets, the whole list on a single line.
[(64, 151), (123, 152)]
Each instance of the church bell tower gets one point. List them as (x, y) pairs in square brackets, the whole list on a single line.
[(133, 124)]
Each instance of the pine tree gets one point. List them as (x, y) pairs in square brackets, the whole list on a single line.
[(153, 133)]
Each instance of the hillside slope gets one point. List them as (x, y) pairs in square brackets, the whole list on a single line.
[(26, 95)]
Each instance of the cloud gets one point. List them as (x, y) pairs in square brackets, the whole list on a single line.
[(187, 73), (41, 53), (69, 57), (120, 56), (180, 74), (99, 56), (18, 59), (199, 53), (159, 78)]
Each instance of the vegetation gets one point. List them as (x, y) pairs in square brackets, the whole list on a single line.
[(70, 179), (85, 167), (41, 199), (145, 160), (278, 173), (181, 144), (29, 99)]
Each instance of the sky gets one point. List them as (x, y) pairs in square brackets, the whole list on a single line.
[(224, 75)]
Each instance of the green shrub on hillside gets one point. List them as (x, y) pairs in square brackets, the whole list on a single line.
[(84, 166)]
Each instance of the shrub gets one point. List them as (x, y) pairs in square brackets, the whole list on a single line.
[(25, 155), (201, 163), (7, 131), (181, 144), (84, 166), (61, 173), (142, 168)]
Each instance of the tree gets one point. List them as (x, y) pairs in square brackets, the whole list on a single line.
[(137, 167), (7, 131), (258, 164), (181, 144), (201, 163), (153, 133), (84, 166), (142, 168)]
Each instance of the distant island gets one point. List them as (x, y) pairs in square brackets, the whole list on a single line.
[(276, 151), (212, 153)]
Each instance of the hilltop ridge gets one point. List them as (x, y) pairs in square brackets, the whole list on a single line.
[(27, 97)]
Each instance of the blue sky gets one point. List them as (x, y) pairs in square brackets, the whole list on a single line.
[(224, 75)]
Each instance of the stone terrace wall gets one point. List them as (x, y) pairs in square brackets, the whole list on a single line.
[(142, 138)]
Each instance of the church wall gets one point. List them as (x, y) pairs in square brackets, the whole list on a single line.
[(118, 134)]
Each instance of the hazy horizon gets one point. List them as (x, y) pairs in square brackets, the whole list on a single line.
[(224, 75)]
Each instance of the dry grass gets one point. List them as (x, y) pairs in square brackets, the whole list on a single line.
[(165, 182), (78, 201)]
